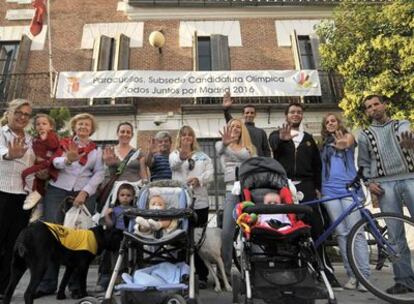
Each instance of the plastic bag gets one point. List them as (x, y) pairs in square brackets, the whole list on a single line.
[(78, 218)]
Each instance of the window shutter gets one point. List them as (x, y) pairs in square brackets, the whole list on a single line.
[(195, 51), (314, 40), (295, 50), (102, 54), (220, 53), (122, 53), (16, 84)]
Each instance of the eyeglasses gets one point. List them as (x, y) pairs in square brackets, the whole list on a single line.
[(20, 114), (191, 164)]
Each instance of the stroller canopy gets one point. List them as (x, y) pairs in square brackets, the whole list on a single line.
[(262, 172)]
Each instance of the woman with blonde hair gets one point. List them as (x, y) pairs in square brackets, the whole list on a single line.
[(81, 170), (234, 148), (16, 155), (192, 166)]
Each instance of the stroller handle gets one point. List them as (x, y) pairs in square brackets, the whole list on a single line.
[(171, 213), (278, 209)]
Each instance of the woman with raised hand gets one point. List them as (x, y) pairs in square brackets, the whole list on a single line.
[(192, 166), (338, 170), (16, 155), (81, 170), (234, 148)]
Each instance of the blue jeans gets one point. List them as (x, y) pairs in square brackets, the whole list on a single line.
[(335, 208), (396, 194), (229, 228), (52, 213)]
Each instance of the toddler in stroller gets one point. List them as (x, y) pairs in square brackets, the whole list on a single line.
[(277, 257)]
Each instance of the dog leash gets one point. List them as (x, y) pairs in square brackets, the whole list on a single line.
[(203, 234)]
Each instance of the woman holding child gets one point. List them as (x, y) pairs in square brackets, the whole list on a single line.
[(338, 170), (234, 148), (192, 166), (16, 155)]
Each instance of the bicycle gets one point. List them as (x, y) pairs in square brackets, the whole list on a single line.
[(389, 249)]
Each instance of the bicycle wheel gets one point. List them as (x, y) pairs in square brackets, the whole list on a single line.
[(386, 254)]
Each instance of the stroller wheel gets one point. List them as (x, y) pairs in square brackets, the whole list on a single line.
[(89, 300), (174, 299)]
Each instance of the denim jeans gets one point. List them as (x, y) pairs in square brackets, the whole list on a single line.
[(396, 194), (52, 213), (335, 208), (229, 228)]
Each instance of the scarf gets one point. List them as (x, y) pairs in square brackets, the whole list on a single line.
[(65, 143), (328, 151)]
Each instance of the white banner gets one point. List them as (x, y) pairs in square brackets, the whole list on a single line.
[(186, 84)]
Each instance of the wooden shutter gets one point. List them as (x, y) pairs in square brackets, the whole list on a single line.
[(122, 53), (295, 50), (314, 40), (102, 54), (195, 51), (17, 83), (220, 53)]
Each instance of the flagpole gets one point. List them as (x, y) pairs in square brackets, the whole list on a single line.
[(49, 38)]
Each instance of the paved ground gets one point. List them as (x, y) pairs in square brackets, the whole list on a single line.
[(207, 296)]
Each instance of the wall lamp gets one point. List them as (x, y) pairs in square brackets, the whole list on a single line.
[(157, 39)]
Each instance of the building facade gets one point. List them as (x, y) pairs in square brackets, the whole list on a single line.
[(199, 35)]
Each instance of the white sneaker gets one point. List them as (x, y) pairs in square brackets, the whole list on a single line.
[(362, 288), (36, 214), (351, 284), (31, 200)]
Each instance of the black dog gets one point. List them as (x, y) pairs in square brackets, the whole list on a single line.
[(37, 245)]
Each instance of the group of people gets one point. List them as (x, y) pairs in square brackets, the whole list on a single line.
[(77, 167)]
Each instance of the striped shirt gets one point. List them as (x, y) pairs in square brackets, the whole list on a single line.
[(11, 170), (160, 168)]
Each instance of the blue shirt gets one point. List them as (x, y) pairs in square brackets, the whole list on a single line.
[(160, 168), (118, 219), (340, 171)]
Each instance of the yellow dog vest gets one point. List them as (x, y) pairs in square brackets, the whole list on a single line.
[(74, 239)]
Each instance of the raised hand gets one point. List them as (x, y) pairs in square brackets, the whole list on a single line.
[(285, 132), (341, 141), (72, 153), (407, 140), (185, 151), (152, 145), (226, 136), (17, 148), (109, 156), (227, 101)]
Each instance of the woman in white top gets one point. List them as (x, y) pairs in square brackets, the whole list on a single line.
[(15, 155), (193, 167), (234, 148)]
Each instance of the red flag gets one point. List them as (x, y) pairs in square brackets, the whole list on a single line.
[(37, 22)]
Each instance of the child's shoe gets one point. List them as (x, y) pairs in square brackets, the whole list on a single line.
[(31, 200)]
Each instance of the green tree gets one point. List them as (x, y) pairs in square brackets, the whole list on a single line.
[(372, 47), (61, 116)]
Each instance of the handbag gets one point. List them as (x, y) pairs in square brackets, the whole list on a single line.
[(78, 218), (106, 188)]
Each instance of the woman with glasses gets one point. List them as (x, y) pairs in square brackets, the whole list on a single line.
[(234, 148), (16, 155), (193, 167)]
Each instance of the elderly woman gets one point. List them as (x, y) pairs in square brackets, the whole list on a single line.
[(338, 170), (193, 167), (124, 164), (81, 170), (16, 155), (234, 148)]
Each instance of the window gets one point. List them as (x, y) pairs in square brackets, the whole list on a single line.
[(305, 52), (204, 54), (8, 55)]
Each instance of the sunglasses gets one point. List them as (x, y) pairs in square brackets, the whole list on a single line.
[(191, 164)]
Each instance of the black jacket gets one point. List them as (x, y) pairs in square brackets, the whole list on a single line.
[(258, 136), (301, 163)]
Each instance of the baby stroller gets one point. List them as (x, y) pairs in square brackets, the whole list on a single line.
[(174, 251), (277, 265)]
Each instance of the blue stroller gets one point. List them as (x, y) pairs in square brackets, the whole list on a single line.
[(161, 265)]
